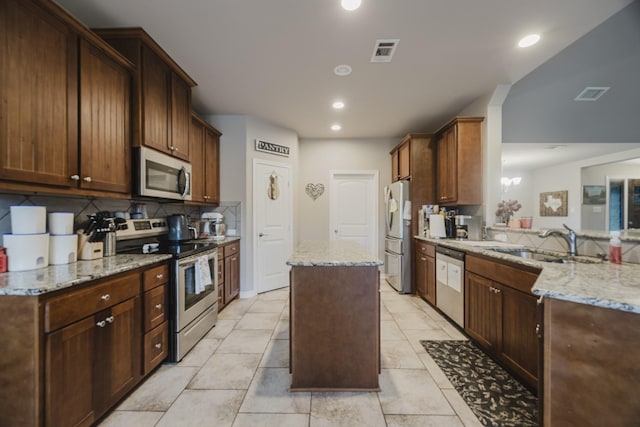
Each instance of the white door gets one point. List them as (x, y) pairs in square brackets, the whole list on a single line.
[(353, 206), (272, 215)]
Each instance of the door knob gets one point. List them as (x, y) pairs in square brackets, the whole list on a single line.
[(261, 234), (335, 231)]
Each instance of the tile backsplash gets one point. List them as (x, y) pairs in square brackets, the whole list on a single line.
[(81, 207), (589, 244)]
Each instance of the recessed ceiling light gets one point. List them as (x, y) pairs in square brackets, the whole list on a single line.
[(351, 4), (336, 127), (342, 70), (529, 40), (338, 105), (555, 147)]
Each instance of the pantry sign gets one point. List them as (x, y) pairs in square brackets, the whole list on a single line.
[(270, 147)]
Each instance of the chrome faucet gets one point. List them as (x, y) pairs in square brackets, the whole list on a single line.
[(570, 238)]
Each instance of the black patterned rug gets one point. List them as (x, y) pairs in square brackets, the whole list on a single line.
[(492, 393)]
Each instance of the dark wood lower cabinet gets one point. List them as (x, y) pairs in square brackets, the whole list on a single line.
[(228, 272), (425, 271), (70, 356), (91, 364), (501, 315)]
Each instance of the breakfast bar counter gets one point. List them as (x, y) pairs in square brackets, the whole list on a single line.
[(334, 318)]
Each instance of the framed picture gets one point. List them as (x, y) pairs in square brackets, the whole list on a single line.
[(554, 203), (594, 194)]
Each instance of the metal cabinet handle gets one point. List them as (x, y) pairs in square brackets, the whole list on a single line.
[(101, 323), (159, 276), (423, 258), (538, 329), (75, 177), (87, 179), (158, 346), (159, 306), (539, 302), (172, 148), (109, 319), (105, 297)]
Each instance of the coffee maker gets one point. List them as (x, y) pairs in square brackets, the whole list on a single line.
[(468, 227)]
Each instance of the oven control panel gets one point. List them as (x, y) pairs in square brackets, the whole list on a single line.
[(140, 228)]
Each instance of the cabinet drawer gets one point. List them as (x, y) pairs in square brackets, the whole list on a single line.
[(426, 249), (155, 307), (507, 275), (156, 347), (156, 276), (73, 306), (231, 249)]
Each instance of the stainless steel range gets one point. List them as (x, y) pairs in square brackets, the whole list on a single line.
[(193, 294)]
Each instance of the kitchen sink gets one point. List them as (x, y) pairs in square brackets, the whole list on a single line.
[(537, 255)]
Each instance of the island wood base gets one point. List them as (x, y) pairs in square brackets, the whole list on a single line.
[(335, 328), (592, 369)]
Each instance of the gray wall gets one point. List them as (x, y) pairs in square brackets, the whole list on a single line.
[(541, 107)]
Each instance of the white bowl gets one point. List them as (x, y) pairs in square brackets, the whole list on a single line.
[(27, 251), (28, 219), (63, 249), (61, 223)]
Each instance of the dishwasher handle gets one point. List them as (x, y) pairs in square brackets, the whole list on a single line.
[(450, 252)]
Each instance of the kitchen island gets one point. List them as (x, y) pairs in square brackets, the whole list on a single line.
[(334, 317)]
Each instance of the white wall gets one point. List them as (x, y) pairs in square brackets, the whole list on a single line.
[(318, 157), (237, 151), (490, 107), (521, 192), (568, 177)]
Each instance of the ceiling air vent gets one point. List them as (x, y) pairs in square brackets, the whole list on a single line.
[(591, 93), (384, 49)]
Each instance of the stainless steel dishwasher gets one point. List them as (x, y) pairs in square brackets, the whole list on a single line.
[(450, 283)]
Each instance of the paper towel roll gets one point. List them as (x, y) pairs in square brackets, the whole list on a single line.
[(436, 226)]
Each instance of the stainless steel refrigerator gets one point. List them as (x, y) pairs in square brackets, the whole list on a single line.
[(397, 246)]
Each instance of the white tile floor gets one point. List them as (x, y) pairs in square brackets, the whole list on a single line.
[(238, 376)]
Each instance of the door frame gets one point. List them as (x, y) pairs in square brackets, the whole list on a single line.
[(375, 175), (255, 238)]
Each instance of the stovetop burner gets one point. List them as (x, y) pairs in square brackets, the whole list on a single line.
[(150, 237)]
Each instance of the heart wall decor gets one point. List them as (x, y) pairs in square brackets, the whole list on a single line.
[(314, 190)]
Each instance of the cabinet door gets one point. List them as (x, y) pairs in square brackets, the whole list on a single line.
[(231, 277), (421, 273), (118, 352), (404, 161), (196, 140), (155, 101), (69, 375), (395, 173), (518, 343), (431, 280), (221, 287), (180, 117), (104, 122), (38, 87), (212, 166), (482, 310), (448, 166)]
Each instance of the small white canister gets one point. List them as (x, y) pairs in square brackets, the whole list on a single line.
[(61, 223), (28, 219), (27, 251), (63, 249)]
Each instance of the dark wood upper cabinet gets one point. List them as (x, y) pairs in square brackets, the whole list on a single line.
[(105, 134), (39, 109), (161, 92), (64, 119), (459, 162), (204, 148)]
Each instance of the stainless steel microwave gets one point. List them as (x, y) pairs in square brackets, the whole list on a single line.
[(159, 175)]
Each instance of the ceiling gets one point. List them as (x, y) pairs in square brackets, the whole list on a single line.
[(274, 60)]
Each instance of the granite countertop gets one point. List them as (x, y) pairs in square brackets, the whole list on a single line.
[(599, 284), (54, 277), (312, 253), (220, 242)]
